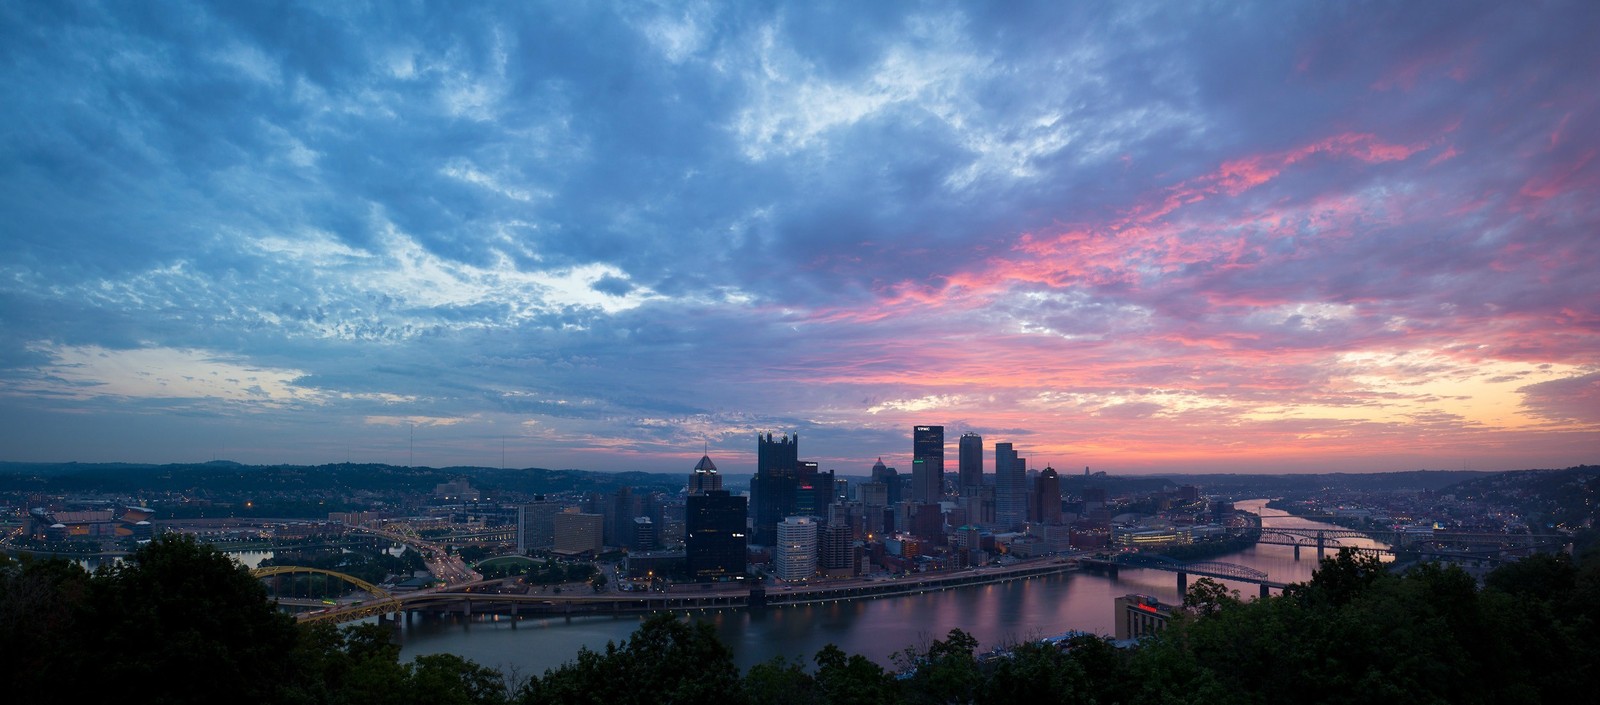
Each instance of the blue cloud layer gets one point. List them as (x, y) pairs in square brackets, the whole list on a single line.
[(607, 232)]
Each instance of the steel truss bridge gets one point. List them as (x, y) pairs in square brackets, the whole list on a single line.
[(1443, 544), (1184, 569)]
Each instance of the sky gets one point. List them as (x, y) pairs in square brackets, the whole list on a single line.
[(1138, 237)]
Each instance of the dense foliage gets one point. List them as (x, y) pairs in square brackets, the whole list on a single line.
[(180, 623)]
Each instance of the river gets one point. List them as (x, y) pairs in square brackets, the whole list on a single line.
[(877, 628)]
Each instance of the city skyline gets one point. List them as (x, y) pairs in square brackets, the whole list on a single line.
[(1141, 237)]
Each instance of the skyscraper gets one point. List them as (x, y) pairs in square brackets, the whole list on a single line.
[(970, 458), (813, 489), (796, 554), (774, 488), (705, 476), (1047, 497), (1010, 488), (714, 541), (927, 448)]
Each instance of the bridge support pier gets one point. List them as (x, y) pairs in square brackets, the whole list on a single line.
[(1183, 584), (1297, 552), (1264, 591), (1322, 544)]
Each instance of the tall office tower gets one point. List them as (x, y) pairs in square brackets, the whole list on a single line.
[(836, 550), (1047, 497), (714, 544), (796, 554), (643, 537), (705, 476), (624, 506), (813, 490), (970, 459), (927, 522), (874, 498), (1010, 488), (921, 485), (890, 479), (773, 488), (927, 445), (536, 526)]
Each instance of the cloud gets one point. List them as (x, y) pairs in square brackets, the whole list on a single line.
[(1142, 235)]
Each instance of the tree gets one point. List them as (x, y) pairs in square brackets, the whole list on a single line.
[(945, 672), (42, 623), (665, 661), (1207, 596), (1341, 578), (853, 679), (182, 619), (447, 679), (780, 681)]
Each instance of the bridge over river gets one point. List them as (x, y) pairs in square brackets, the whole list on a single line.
[(484, 597)]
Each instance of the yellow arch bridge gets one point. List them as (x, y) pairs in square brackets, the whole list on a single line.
[(382, 602)]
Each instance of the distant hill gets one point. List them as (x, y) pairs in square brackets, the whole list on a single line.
[(1553, 499), (225, 476)]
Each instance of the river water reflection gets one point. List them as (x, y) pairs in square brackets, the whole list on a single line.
[(995, 614)]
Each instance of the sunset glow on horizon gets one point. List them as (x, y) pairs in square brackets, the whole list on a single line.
[(1270, 237)]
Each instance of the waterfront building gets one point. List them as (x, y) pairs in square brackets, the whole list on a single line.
[(969, 459), (1139, 616), (836, 551), (536, 527), (927, 448), (714, 544), (577, 533), (1140, 537), (796, 555)]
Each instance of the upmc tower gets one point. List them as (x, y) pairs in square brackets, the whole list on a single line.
[(927, 463)]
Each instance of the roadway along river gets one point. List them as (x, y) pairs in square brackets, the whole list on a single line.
[(877, 628)]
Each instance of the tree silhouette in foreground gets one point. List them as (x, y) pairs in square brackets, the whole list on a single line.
[(180, 623)]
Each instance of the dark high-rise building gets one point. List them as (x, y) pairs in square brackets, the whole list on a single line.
[(714, 540), (890, 479), (813, 490), (776, 484), (644, 534), (1047, 498), (970, 459), (620, 511), (1010, 488), (927, 448)]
